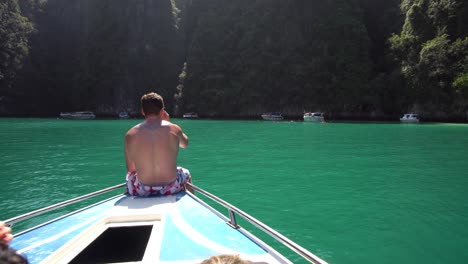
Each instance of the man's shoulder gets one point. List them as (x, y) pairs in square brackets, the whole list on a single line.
[(169, 124), (133, 130), (166, 123)]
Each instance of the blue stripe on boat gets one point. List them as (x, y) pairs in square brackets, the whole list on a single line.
[(187, 224), (193, 226)]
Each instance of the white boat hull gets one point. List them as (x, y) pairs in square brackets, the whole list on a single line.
[(124, 115), (183, 230), (409, 118), (190, 116), (77, 115), (179, 228), (272, 117), (314, 119)]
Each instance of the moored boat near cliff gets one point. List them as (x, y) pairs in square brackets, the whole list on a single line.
[(275, 116), (316, 117), (410, 118), (124, 115), (190, 115), (83, 115)]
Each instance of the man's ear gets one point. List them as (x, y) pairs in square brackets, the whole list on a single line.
[(142, 112)]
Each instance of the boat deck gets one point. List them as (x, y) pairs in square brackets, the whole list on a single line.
[(180, 230)]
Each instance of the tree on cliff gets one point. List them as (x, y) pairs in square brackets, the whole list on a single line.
[(241, 57), (14, 30), (244, 58), (102, 55), (432, 49)]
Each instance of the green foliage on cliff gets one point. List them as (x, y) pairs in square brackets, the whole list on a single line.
[(14, 30), (102, 55), (277, 55), (432, 49), (237, 58)]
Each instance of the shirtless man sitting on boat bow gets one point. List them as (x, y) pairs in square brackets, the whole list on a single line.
[(151, 149)]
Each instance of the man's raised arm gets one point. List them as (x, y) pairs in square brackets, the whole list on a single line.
[(128, 159), (183, 139)]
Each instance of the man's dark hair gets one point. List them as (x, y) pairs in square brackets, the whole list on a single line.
[(9, 255), (152, 103)]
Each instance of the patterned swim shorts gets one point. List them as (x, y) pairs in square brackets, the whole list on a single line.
[(135, 188)]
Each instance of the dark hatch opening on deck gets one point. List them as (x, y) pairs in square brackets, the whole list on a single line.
[(117, 244)]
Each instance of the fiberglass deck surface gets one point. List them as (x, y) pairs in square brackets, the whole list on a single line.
[(190, 232)]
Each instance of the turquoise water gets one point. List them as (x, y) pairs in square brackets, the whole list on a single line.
[(348, 192)]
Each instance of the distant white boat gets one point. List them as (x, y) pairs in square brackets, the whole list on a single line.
[(410, 118), (190, 115), (314, 117), (78, 115), (123, 115), (272, 116)]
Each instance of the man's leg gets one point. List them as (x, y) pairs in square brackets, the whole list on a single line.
[(186, 177)]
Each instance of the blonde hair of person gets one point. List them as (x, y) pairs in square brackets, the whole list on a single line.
[(225, 259)]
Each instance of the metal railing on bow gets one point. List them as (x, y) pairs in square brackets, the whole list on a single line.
[(233, 211), (22, 217), (309, 256)]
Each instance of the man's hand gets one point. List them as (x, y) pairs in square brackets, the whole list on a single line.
[(5, 233), (165, 116)]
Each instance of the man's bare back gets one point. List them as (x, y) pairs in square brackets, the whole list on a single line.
[(151, 149)]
